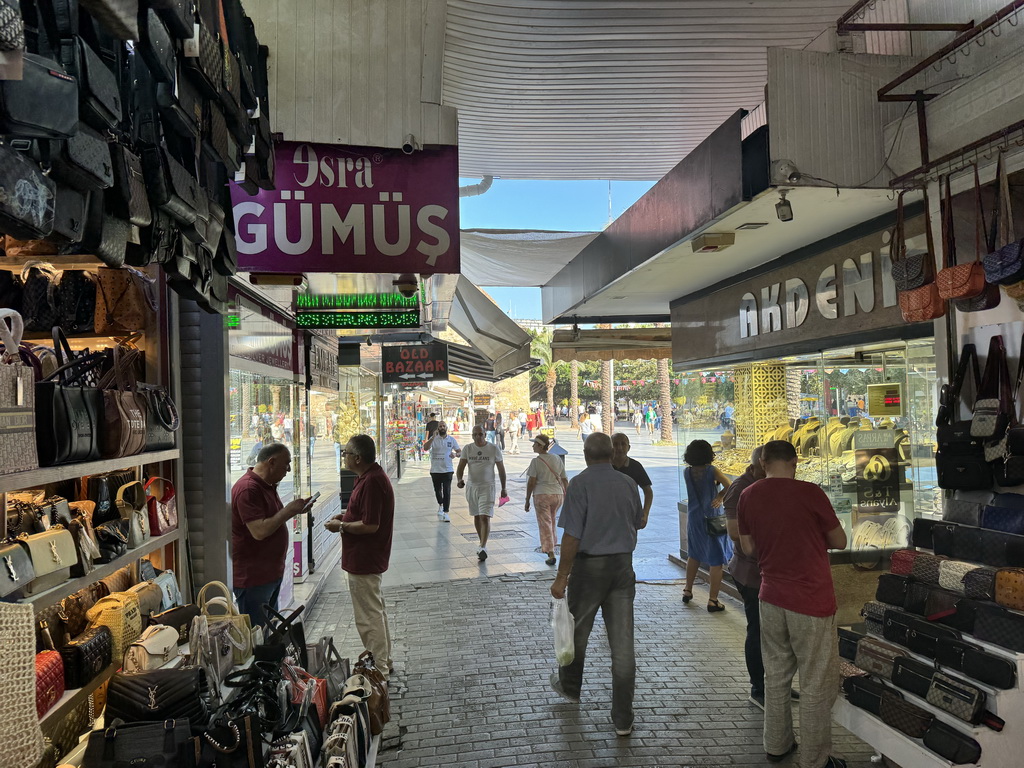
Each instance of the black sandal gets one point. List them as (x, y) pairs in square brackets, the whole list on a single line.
[(687, 595), (714, 606)]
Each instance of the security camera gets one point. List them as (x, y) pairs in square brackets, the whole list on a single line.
[(783, 208), (407, 285), (785, 172), (410, 145)]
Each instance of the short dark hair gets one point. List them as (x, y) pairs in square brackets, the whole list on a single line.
[(267, 452), (598, 447), (777, 450), (699, 453), (364, 447), (432, 415)]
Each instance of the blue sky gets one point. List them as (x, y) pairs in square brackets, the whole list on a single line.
[(566, 206)]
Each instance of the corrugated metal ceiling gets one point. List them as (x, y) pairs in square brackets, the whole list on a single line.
[(606, 89)]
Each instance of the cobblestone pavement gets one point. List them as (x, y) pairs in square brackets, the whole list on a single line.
[(473, 652)]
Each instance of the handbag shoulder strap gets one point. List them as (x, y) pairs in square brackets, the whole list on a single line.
[(898, 244), (129, 495), (981, 239), (166, 489), (11, 335), (948, 236), (548, 466), (1003, 183)]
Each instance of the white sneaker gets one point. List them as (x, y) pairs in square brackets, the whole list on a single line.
[(445, 518), (440, 510)]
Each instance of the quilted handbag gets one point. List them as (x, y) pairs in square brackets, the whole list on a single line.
[(876, 657), (16, 570), (902, 561), (994, 409), (170, 186), (156, 647), (223, 609), (170, 592), (131, 503), (162, 504), (26, 194), (163, 742), (957, 281), (83, 161), (150, 598), (118, 17), (1000, 627), (178, 618), (203, 61), (120, 613), (908, 272), (912, 675), (86, 656), (1009, 588), (49, 681), (948, 742), (112, 539), (1004, 264), (952, 574), (127, 198), (965, 507), (125, 301), (926, 568), (903, 716), (53, 553)]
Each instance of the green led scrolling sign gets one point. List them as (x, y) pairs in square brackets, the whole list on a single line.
[(360, 301), (358, 319)]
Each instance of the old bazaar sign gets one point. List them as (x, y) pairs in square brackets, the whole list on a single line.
[(352, 209), (414, 363)]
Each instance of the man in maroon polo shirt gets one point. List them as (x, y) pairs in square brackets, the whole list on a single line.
[(259, 534), (366, 527)]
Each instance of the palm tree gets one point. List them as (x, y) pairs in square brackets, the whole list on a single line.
[(574, 394), (540, 347), (665, 400), (607, 398)]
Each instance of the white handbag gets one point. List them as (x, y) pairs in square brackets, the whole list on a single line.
[(168, 584), (131, 504), (157, 646), (224, 609), (952, 572)]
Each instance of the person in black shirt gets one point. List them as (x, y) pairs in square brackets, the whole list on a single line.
[(632, 468), (431, 426)]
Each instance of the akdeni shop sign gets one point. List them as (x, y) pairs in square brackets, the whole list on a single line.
[(352, 209)]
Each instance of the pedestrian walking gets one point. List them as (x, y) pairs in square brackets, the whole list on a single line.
[(442, 448), (259, 536), (513, 436), (638, 420), (522, 423), (632, 469), (482, 458), (499, 430), (547, 486), (431, 426), (789, 526), (366, 527), (703, 500), (599, 520), (489, 428), (649, 419)]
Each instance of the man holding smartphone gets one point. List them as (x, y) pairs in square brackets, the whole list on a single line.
[(259, 534), (366, 526)]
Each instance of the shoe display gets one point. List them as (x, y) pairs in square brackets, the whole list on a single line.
[(481, 554), (556, 686)]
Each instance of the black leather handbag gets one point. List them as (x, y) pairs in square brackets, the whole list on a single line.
[(160, 694), (181, 107), (164, 743), (106, 235), (83, 161), (912, 675), (102, 490), (178, 618), (222, 143), (112, 538), (43, 104), (947, 741), (16, 569), (178, 15), (892, 589), (99, 100), (1000, 627), (157, 46), (27, 196), (162, 419), (976, 663), (864, 693), (960, 460), (157, 242), (206, 69), (68, 416), (86, 656), (70, 211), (127, 198), (170, 186)]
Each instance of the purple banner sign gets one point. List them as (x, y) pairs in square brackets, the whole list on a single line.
[(352, 209)]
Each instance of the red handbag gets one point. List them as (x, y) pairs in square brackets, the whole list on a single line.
[(301, 680), (163, 506), (49, 681), (903, 561)]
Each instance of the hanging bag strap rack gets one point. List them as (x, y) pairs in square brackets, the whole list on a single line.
[(950, 394)]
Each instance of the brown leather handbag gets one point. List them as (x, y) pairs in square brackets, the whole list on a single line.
[(957, 281), (1010, 588), (125, 301), (124, 411)]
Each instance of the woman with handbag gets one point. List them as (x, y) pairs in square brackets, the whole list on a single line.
[(704, 543), (547, 485)]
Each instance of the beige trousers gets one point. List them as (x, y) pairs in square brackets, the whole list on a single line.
[(371, 617), (792, 642)]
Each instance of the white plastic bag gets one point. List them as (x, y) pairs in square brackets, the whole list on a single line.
[(565, 627)]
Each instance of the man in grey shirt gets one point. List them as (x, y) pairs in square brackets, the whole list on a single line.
[(600, 517)]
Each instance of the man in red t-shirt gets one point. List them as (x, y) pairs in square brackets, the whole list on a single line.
[(789, 525), (366, 527), (259, 534)]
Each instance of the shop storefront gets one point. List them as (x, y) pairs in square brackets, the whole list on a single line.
[(813, 350)]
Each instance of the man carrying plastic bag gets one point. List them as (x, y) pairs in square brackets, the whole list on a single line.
[(600, 518)]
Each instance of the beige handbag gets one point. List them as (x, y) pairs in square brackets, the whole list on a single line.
[(155, 648), (221, 609), (53, 553), (151, 598), (120, 614), (131, 504), (19, 726)]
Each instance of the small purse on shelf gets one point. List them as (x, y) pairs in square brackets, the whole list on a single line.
[(86, 656), (156, 647), (131, 503), (162, 504)]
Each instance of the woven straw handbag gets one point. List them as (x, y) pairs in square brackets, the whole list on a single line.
[(120, 614), (19, 725)]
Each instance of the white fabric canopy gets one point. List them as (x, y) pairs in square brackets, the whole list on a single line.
[(518, 258)]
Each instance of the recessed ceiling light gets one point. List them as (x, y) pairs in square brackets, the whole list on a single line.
[(712, 242), (615, 298), (753, 225)]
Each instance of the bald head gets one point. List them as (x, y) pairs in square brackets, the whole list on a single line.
[(597, 448), (756, 469)]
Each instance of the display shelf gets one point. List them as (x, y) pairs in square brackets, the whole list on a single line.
[(75, 697), (59, 592), (895, 745), (44, 475)]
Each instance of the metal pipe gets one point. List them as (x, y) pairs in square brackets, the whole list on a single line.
[(897, 27), (472, 190), (901, 181)]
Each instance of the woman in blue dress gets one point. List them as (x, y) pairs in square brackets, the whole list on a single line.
[(705, 489)]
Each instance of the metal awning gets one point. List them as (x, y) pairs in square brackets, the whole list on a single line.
[(498, 347), (612, 344)]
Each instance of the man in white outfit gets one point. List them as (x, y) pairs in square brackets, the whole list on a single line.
[(482, 458), (442, 447)]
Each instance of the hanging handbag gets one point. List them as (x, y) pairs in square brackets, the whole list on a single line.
[(990, 296), (86, 656), (27, 195), (170, 186), (155, 648), (127, 198), (68, 415), (960, 460), (131, 504), (99, 100), (923, 303), (1004, 264), (181, 107), (715, 525), (178, 618), (106, 235), (948, 742), (993, 409), (162, 505), (124, 412), (53, 554), (43, 104), (19, 728), (157, 46), (125, 301), (203, 62), (17, 400), (908, 272), (178, 15), (83, 161), (70, 218), (150, 596), (162, 419), (957, 281), (119, 744), (118, 17)]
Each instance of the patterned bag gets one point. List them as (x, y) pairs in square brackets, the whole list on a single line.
[(1005, 263), (902, 561), (921, 304), (980, 583), (1000, 626), (952, 573), (877, 657), (958, 697), (908, 272), (1009, 589), (965, 507), (926, 568), (125, 301), (874, 614), (957, 281), (994, 409)]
